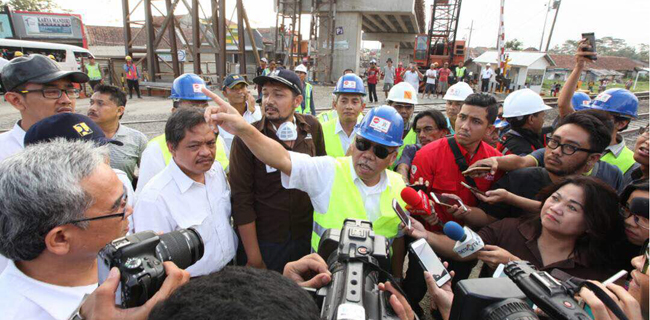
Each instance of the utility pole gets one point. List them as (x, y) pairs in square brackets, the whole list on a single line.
[(548, 9), (471, 28), (557, 10)]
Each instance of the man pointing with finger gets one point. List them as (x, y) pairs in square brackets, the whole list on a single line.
[(364, 187)]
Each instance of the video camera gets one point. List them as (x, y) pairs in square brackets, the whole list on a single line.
[(140, 257), (355, 255), (506, 298)]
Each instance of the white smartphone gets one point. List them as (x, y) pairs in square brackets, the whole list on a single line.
[(430, 261), (401, 214)]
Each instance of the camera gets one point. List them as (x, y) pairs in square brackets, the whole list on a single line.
[(512, 297), (356, 257), (140, 257)]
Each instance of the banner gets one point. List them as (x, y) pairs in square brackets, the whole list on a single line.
[(48, 25)]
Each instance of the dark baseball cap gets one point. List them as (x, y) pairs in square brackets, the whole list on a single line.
[(284, 76), (71, 126), (233, 80), (36, 68)]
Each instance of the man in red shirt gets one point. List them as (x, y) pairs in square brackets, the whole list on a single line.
[(443, 79), (373, 78), (398, 72)]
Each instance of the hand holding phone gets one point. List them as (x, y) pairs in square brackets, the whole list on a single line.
[(473, 189), (401, 214), (446, 201), (591, 40), (476, 171), (430, 262)]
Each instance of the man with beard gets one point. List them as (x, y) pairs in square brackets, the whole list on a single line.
[(573, 149), (274, 223)]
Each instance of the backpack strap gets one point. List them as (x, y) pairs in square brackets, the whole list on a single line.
[(460, 160)]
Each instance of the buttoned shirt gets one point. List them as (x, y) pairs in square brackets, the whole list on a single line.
[(22, 297), (127, 157), (173, 201), (11, 142), (487, 73), (345, 139)]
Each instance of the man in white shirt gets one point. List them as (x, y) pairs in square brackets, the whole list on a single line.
[(38, 88), (191, 191), (349, 103), (235, 89), (388, 74), (186, 92), (359, 186), (61, 204), (412, 76), (430, 87), (486, 75)]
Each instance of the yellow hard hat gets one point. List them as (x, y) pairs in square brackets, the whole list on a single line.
[(128, 58), (51, 57), (18, 54)]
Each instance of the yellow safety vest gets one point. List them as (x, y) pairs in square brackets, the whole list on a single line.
[(346, 202), (333, 146), (411, 138), (93, 71), (624, 161), (220, 154), (308, 91), (327, 116)]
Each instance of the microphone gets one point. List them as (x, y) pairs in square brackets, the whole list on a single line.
[(417, 202), (638, 206), (467, 241)]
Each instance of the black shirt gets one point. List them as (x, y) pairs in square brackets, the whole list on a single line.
[(526, 182), (521, 142)]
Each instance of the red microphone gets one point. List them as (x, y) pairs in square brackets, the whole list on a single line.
[(417, 202)]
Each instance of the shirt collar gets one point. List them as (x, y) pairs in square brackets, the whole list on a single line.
[(338, 128), (182, 180), (121, 130), (383, 179), (530, 232), (19, 134), (617, 148)]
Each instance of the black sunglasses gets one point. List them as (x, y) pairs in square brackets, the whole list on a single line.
[(380, 151)]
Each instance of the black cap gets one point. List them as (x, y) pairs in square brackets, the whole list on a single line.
[(284, 76), (36, 68), (71, 126), (233, 80)]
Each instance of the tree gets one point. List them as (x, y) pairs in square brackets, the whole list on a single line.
[(32, 5), (514, 45), (607, 46)]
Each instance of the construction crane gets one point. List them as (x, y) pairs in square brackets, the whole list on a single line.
[(439, 45)]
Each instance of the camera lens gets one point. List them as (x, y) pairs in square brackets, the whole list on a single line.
[(183, 247), (511, 309)]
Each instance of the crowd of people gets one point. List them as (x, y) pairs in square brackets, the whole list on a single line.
[(262, 180)]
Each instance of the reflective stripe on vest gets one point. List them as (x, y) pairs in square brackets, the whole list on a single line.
[(346, 202), (333, 146), (220, 154), (93, 71), (132, 73), (411, 138), (624, 161), (307, 101), (327, 116)]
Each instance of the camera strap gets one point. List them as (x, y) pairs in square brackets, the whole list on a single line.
[(460, 159), (574, 284)]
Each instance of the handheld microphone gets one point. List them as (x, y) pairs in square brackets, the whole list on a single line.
[(417, 202), (467, 241), (638, 206)]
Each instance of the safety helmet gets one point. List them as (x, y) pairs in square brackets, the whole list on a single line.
[(383, 125), (580, 101), (51, 57), (18, 54), (264, 60), (620, 101), (403, 92), (523, 102), (301, 68), (128, 58), (498, 123), (188, 87), (458, 92), (350, 83)]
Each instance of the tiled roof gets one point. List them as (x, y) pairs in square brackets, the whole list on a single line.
[(603, 63)]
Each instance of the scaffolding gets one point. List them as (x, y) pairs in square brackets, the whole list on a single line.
[(443, 28), (323, 15), (287, 46)]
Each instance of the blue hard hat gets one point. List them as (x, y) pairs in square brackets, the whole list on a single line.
[(620, 101), (350, 83), (498, 123), (383, 125), (188, 87), (580, 101)]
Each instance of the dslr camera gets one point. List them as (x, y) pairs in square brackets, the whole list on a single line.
[(512, 297), (356, 257), (140, 257)]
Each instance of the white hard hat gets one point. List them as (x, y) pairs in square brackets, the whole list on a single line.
[(458, 92), (264, 60), (403, 92), (301, 68), (523, 102)]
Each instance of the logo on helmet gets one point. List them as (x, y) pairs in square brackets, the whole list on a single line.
[(380, 124), (83, 129), (349, 84), (408, 95), (603, 97), (196, 87)]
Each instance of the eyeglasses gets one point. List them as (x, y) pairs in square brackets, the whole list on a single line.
[(122, 214), (567, 149), (380, 151), (641, 222), (53, 93)]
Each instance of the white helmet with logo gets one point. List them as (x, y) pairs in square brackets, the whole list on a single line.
[(458, 92), (403, 92), (301, 68), (523, 102)]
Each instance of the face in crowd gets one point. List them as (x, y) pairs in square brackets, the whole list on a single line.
[(371, 159), (195, 153), (563, 212), (279, 102), (348, 106), (44, 100), (404, 109), (571, 154), (236, 94), (641, 148), (471, 124), (104, 110), (452, 108), (427, 130)]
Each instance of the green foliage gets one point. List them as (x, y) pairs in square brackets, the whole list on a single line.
[(513, 45), (607, 46), (32, 5)]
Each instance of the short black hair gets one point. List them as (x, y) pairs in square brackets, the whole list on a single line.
[(238, 293), (605, 117), (180, 121), (115, 94), (484, 100), (640, 184), (437, 116), (599, 135)]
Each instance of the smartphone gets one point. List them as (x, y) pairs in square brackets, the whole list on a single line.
[(430, 262), (446, 201), (476, 170), (591, 40), (401, 214), (473, 189)]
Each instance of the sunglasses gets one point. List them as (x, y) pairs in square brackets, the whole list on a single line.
[(380, 151)]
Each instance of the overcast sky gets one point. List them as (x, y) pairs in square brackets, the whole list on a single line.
[(626, 19)]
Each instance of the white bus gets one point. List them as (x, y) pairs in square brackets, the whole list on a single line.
[(68, 56)]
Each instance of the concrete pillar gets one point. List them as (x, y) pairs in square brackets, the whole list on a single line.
[(347, 46), (389, 49)]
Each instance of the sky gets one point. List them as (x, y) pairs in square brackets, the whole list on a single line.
[(523, 20)]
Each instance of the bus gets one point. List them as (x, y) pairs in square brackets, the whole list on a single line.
[(68, 56)]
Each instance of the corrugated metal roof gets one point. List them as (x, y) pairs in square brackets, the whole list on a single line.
[(517, 58)]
